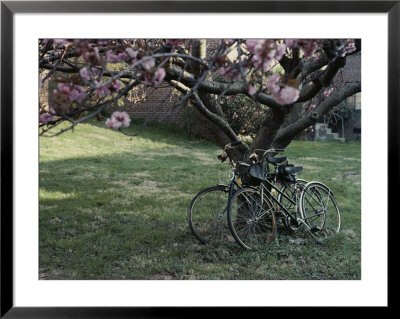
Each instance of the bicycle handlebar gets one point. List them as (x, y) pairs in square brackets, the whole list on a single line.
[(233, 144), (265, 152), (222, 157), (277, 150)]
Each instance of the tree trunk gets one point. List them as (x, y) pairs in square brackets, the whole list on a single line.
[(269, 128)]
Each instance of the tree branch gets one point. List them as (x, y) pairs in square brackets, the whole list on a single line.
[(285, 135), (214, 87)]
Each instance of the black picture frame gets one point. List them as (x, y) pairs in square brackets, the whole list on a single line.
[(9, 8)]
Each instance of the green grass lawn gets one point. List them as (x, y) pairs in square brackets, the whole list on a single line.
[(115, 207)]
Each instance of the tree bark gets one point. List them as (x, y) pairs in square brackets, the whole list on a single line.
[(269, 128)]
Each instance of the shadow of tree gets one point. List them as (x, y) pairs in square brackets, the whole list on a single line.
[(98, 213)]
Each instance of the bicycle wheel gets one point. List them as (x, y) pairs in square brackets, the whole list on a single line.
[(251, 220), (289, 191), (320, 211), (206, 213)]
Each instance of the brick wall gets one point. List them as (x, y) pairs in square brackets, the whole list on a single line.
[(352, 70), (159, 105)]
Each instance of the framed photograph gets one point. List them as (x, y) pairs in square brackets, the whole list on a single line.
[(70, 243)]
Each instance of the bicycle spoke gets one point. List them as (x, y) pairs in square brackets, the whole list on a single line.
[(206, 212), (320, 211), (252, 222)]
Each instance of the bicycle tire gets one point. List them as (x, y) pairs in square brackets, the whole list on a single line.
[(206, 211), (252, 225), (289, 223), (320, 211)]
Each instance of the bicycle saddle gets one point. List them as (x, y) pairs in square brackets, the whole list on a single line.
[(275, 160), (292, 170)]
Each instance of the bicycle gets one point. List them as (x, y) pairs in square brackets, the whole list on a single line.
[(289, 187), (316, 207), (251, 210), (251, 216), (207, 209), (319, 211)]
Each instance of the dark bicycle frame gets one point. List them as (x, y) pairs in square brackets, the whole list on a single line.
[(272, 176), (265, 188), (230, 188)]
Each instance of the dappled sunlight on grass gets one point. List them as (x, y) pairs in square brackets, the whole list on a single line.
[(98, 141), (46, 195)]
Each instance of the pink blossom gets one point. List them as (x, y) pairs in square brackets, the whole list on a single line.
[(132, 53), (77, 93), (154, 78), (102, 42), (89, 74), (95, 72), (84, 73), (105, 90), (121, 117), (287, 95), (273, 83), (251, 90), (148, 64), (174, 42), (116, 85), (47, 117), (290, 43), (58, 43), (280, 51), (261, 62), (308, 46), (113, 124), (159, 75), (117, 120), (88, 52), (254, 45), (264, 52), (118, 57), (349, 48), (311, 107), (102, 91), (283, 94), (328, 92), (227, 72), (270, 54), (111, 57), (69, 92)]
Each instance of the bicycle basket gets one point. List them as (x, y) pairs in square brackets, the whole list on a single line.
[(253, 175)]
